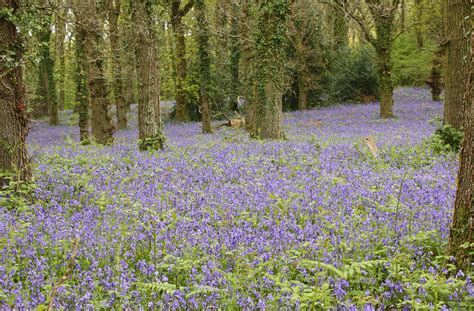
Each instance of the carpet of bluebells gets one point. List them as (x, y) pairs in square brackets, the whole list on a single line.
[(222, 221)]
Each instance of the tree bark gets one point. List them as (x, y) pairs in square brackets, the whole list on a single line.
[(149, 123), (461, 234), (456, 26), (14, 121), (121, 107), (102, 130)]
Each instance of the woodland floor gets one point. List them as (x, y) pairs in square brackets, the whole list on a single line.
[(223, 221)]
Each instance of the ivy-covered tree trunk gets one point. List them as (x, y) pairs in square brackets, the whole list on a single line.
[(46, 90), (121, 107), (461, 235), (457, 27), (247, 59), (204, 61), (177, 14), (82, 95), (149, 125), (340, 27), (60, 56), (102, 130), (384, 27), (419, 23), (270, 46), (13, 115), (234, 57)]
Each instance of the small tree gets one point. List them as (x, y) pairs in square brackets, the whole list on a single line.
[(13, 115)]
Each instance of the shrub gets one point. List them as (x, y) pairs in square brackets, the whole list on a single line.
[(446, 139), (353, 76)]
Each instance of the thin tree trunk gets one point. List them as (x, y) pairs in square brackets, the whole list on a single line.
[(121, 107), (418, 28), (403, 15), (128, 57), (13, 114), (182, 112), (302, 93), (46, 91), (102, 130), (204, 64), (461, 235), (457, 25), (340, 27), (149, 124), (383, 48), (234, 56), (60, 35), (434, 81), (82, 95)]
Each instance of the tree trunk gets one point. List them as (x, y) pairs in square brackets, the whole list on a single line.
[(204, 62), (302, 93), (383, 48), (270, 46), (149, 124), (121, 107), (234, 56), (82, 95), (13, 115), (247, 58), (102, 130), (418, 26), (402, 15), (129, 65), (60, 34), (457, 25), (340, 27), (182, 112), (462, 227), (434, 81), (46, 91)]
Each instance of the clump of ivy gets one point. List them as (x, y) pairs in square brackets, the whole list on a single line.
[(446, 139), (154, 142)]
